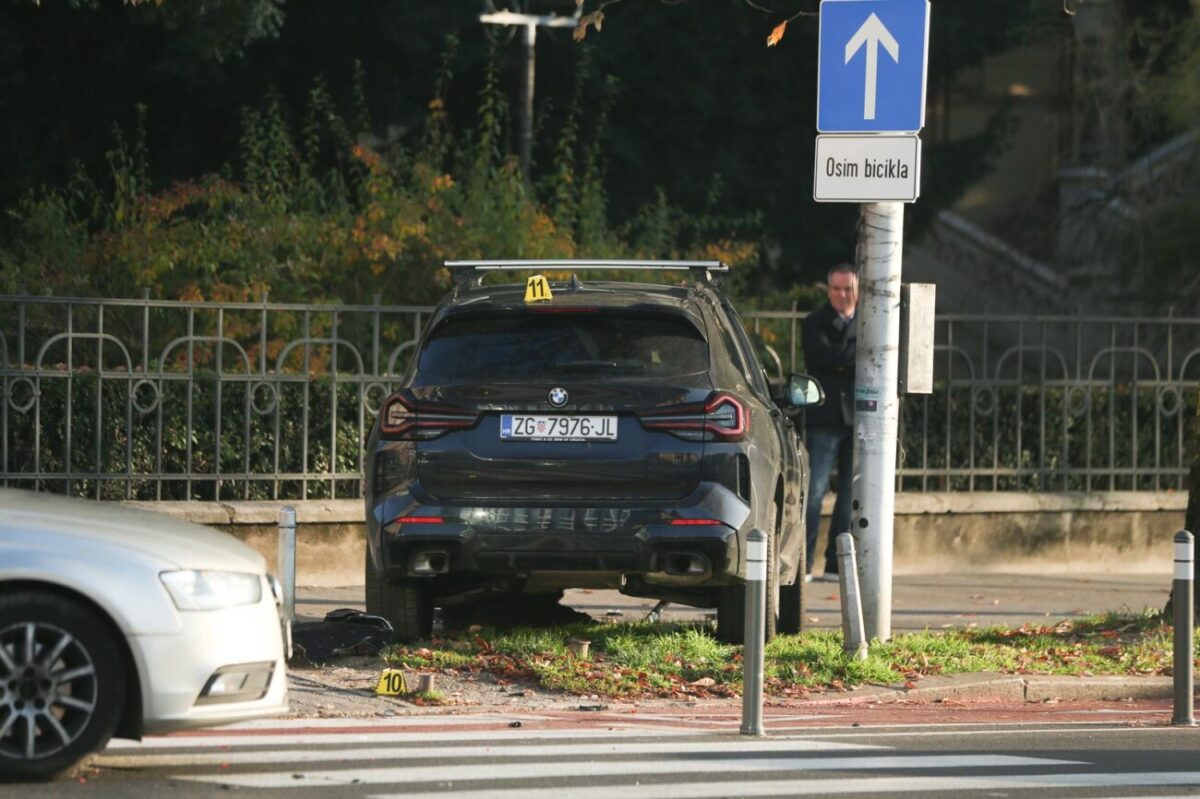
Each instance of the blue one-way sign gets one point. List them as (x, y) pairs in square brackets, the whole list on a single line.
[(872, 61)]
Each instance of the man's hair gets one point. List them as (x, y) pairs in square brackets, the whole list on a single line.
[(846, 269)]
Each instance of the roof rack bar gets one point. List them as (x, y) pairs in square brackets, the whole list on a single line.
[(664, 266)]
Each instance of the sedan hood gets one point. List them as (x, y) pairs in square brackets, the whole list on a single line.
[(183, 544)]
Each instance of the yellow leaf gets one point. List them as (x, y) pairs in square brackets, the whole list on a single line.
[(777, 34)]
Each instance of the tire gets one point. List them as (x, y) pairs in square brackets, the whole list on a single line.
[(48, 723), (406, 603), (772, 608), (792, 598), (791, 607), (372, 581), (731, 604), (731, 614)]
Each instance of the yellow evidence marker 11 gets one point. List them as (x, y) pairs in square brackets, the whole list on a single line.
[(537, 289), (391, 683)]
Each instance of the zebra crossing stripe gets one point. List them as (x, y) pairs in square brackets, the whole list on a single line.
[(153, 759), (319, 738), (683, 765), (823, 787)]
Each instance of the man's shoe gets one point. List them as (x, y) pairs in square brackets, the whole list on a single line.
[(808, 577), (829, 577)]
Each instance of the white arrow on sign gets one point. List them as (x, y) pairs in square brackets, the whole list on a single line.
[(872, 34)]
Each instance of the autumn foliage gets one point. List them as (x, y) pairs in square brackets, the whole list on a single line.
[(323, 211)]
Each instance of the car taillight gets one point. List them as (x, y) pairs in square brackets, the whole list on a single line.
[(722, 418), (406, 419)]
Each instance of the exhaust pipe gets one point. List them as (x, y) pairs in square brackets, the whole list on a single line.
[(430, 561), (686, 564)]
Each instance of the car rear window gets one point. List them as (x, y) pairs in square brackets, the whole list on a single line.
[(539, 345)]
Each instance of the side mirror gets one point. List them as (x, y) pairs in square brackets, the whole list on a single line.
[(804, 391)]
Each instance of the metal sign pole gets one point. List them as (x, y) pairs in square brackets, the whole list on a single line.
[(877, 408)]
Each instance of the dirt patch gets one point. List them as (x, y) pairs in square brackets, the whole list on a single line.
[(347, 690)]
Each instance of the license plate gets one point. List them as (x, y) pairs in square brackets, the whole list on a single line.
[(524, 427)]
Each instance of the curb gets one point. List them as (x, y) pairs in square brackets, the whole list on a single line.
[(1008, 688)]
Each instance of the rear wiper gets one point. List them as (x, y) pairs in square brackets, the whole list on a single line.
[(620, 364)]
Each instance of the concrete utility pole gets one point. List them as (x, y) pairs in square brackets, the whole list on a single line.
[(880, 103), (877, 408), (531, 22)]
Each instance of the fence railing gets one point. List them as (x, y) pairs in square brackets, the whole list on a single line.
[(145, 399)]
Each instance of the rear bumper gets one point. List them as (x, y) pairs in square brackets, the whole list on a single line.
[(634, 539)]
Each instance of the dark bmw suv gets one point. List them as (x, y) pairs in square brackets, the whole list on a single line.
[(573, 434)]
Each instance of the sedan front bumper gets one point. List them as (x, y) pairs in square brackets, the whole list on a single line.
[(223, 666)]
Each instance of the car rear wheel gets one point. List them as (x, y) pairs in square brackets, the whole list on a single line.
[(406, 603), (61, 684), (791, 597), (791, 607), (731, 604)]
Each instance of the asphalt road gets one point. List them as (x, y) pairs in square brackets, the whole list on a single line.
[(920, 602), (550, 757)]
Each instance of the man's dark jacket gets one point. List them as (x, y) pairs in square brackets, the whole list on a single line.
[(829, 345)]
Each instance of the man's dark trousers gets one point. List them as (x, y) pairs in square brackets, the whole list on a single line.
[(830, 346), (827, 447)]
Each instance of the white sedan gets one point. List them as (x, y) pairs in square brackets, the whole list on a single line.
[(117, 622)]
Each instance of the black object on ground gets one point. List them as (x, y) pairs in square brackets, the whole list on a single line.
[(505, 611), (344, 632)]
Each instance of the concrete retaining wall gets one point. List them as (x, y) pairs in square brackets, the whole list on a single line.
[(935, 533)]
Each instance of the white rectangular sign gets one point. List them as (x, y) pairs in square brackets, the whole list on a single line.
[(867, 168)]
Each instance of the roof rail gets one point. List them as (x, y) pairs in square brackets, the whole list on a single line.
[(707, 268)]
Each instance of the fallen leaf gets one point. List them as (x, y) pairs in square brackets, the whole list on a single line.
[(777, 34), (704, 682)]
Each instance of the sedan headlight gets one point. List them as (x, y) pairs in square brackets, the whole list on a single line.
[(211, 590)]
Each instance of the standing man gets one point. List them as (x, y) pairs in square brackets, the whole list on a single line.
[(829, 345)]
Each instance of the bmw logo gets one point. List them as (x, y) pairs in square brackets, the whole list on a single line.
[(558, 397)]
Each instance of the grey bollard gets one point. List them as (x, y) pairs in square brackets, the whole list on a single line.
[(853, 634), (1185, 616), (755, 629), (286, 561)]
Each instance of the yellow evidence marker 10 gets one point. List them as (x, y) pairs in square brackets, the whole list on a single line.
[(537, 289), (391, 683)]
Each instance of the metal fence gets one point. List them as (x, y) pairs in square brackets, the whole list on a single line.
[(146, 399)]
